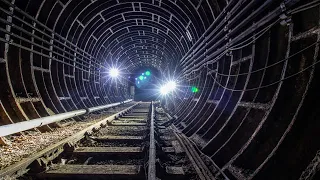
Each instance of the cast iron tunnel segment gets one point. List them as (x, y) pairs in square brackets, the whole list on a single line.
[(255, 64)]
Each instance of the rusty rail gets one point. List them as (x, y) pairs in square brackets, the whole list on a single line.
[(152, 148)]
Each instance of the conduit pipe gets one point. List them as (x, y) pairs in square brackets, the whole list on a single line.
[(9, 129)]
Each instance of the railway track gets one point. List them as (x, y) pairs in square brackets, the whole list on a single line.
[(136, 143)]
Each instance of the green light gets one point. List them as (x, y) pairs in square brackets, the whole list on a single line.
[(141, 78), (148, 73), (194, 89)]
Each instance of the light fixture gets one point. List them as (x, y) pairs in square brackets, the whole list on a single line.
[(171, 85), (148, 73), (168, 88), (164, 90), (114, 72)]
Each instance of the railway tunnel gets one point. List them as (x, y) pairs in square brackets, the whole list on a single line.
[(238, 79)]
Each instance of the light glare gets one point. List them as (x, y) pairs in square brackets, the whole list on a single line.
[(168, 88), (164, 90), (114, 72), (171, 85)]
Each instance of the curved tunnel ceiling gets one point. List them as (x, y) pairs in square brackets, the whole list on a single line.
[(134, 33), (254, 62)]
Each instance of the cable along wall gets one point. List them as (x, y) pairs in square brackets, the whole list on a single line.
[(255, 63), (261, 82)]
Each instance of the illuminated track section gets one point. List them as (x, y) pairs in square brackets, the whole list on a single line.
[(246, 70)]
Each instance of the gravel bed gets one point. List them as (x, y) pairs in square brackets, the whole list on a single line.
[(23, 146), (118, 162), (93, 143), (178, 160), (129, 121), (123, 130)]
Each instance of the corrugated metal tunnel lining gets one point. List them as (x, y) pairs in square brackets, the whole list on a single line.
[(254, 61)]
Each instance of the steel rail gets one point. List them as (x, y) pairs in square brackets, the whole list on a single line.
[(22, 167), (194, 156), (152, 148), (202, 170), (9, 129)]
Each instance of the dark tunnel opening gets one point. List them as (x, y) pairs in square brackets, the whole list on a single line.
[(144, 83), (239, 77)]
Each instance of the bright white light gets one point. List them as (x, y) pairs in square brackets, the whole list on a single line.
[(171, 85), (164, 90), (168, 88), (114, 72)]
